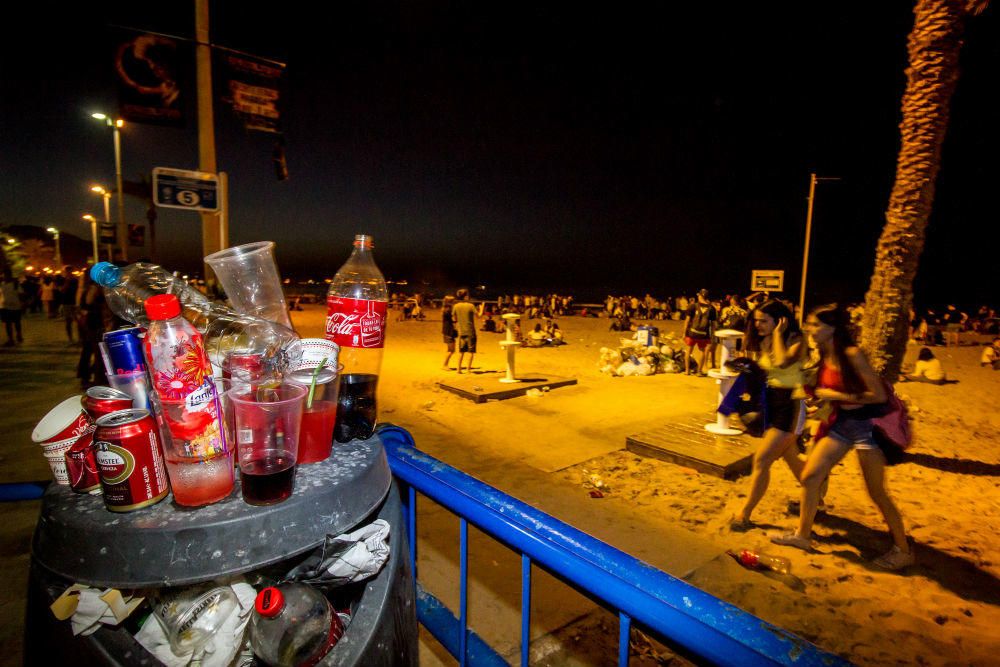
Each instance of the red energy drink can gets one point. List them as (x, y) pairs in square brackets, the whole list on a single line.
[(100, 401), (130, 460), (81, 465)]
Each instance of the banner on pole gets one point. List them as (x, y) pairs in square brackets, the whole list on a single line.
[(147, 75), (254, 92), (109, 233)]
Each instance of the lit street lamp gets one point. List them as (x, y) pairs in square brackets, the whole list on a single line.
[(93, 234), (116, 125), (55, 233)]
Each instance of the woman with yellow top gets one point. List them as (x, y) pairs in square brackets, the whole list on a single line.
[(774, 341)]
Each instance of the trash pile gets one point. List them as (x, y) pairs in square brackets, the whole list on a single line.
[(634, 357)]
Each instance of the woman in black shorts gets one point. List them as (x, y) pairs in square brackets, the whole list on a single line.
[(774, 341)]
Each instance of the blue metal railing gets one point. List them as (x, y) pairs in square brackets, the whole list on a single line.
[(689, 619)]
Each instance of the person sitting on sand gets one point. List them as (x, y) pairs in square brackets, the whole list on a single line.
[(927, 369), (991, 355), (536, 337)]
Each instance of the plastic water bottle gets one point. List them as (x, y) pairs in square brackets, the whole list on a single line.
[(293, 625), (224, 330), (757, 561)]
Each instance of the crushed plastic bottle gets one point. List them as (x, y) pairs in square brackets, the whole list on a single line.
[(757, 561), (293, 624), (224, 330)]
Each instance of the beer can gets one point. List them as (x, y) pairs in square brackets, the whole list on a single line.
[(125, 350), (81, 466), (130, 460), (100, 401)]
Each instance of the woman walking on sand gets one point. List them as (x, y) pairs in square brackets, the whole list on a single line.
[(847, 380), (774, 341)]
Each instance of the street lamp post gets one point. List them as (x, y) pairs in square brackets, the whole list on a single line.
[(107, 210), (55, 233), (93, 235), (813, 180), (116, 125)]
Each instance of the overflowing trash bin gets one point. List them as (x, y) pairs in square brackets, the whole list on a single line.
[(201, 511)]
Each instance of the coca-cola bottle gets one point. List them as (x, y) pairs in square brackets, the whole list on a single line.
[(356, 314)]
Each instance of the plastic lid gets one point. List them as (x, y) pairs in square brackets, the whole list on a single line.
[(163, 306), (105, 274), (269, 602)]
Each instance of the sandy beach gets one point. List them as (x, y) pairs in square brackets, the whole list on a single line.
[(548, 450), (545, 450)]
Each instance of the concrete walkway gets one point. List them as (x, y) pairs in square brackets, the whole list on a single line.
[(34, 377)]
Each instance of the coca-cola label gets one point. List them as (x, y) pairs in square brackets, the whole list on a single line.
[(355, 322)]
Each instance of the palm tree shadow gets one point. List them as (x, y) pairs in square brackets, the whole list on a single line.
[(956, 574), (961, 466)]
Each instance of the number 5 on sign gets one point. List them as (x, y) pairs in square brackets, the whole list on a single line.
[(191, 190)]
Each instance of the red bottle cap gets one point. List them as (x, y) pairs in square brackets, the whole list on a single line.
[(269, 602), (163, 306)]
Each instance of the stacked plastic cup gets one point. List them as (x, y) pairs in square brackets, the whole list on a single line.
[(250, 277)]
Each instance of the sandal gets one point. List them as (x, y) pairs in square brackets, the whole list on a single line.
[(741, 525), (895, 559), (792, 540)]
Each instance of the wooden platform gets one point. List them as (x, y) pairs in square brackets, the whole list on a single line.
[(483, 387), (687, 443)]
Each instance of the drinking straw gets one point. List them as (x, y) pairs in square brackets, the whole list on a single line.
[(312, 383), (108, 367)]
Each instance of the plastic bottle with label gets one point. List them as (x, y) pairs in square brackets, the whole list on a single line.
[(292, 625), (225, 331), (356, 317), (199, 460), (758, 561)]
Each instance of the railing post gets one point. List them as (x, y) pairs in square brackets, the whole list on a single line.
[(624, 633), (463, 601), (525, 608), (411, 526)]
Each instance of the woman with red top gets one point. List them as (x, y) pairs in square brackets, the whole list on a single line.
[(848, 381)]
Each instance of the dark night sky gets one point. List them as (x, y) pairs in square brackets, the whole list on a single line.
[(630, 147)]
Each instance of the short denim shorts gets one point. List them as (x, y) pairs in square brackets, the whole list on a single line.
[(857, 432)]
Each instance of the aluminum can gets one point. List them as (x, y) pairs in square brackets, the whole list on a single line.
[(130, 460), (81, 466), (125, 350), (100, 401)]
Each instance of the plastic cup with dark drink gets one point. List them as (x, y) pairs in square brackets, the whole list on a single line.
[(356, 407), (267, 426)]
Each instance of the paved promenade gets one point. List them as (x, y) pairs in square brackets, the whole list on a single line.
[(34, 377)]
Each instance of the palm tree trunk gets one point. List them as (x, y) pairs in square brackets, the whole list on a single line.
[(933, 47)]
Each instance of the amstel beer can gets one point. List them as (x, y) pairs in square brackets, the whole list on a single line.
[(130, 460), (81, 465), (100, 401)]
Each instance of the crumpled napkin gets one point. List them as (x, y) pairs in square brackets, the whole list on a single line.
[(220, 649), (347, 558), (87, 608)]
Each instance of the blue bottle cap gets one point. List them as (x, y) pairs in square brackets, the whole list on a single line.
[(105, 274)]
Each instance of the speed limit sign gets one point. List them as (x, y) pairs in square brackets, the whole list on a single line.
[(179, 188)]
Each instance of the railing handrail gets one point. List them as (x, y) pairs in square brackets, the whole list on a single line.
[(684, 615)]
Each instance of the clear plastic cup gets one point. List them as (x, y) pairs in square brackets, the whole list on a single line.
[(135, 385), (268, 422), (250, 277), (191, 616)]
